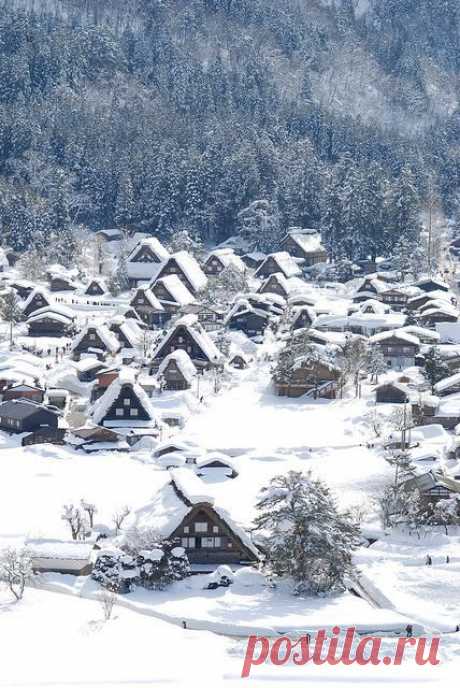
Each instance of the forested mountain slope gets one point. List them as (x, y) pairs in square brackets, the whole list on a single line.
[(171, 114)]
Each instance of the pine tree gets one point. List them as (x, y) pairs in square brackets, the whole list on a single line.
[(10, 311), (304, 535), (435, 367)]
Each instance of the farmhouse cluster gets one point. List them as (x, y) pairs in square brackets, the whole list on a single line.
[(84, 368)]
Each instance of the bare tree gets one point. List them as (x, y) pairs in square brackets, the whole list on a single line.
[(76, 520), (16, 570), (90, 510), (119, 517), (107, 600)]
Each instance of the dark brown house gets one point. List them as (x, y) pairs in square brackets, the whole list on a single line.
[(253, 322), (392, 393), (305, 244), (207, 533), (278, 262), (23, 392), (61, 283), (36, 300), (395, 298), (51, 322), (95, 288), (149, 308), (96, 340), (189, 336), (318, 379), (124, 405), (177, 371), (432, 487), (187, 270), (275, 284), (303, 318), (21, 415), (398, 348)]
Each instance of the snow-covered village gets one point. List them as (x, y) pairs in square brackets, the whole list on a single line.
[(171, 418), (229, 343)]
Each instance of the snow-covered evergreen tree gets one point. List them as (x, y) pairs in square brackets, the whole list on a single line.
[(305, 536), (434, 366)]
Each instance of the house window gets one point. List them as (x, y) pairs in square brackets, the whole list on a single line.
[(186, 529), (119, 412), (188, 543), (134, 412), (126, 402), (201, 527), (180, 340), (211, 542), (215, 529)]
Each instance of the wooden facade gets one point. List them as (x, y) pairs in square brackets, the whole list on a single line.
[(294, 248), (173, 377), (24, 416), (208, 539), (172, 267), (37, 301), (251, 323), (319, 380), (126, 407), (23, 392)]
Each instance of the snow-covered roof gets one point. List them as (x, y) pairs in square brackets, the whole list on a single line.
[(59, 549), (165, 512), (183, 362), (150, 297), (309, 240), (423, 332), (179, 292), (56, 308), (99, 282), (447, 382), (399, 334), (105, 402), (286, 263), (191, 269), (366, 321), (201, 338), (48, 314), (377, 307), (191, 486), (154, 245), (227, 256), (280, 278), (110, 341), (38, 291), (131, 330)]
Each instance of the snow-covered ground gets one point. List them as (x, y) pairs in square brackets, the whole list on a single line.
[(265, 435)]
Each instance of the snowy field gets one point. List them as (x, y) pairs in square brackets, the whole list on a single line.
[(266, 436), (69, 644)]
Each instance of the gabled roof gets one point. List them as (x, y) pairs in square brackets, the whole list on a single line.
[(176, 499), (397, 334), (227, 256), (286, 263), (155, 247), (38, 291), (191, 269), (183, 362), (201, 338), (108, 338), (22, 408), (149, 296), (309, 240), (176, 288), (106, 401)]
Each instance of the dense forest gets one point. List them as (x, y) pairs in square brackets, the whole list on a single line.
[(164, 115)]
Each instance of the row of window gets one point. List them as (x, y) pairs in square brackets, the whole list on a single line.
[(201, 527), (208, 542), (121, 412), (10, 421)]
